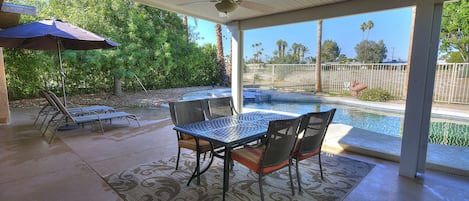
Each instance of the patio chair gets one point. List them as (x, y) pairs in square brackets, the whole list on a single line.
[(185, 112), (274, 153), (64, 117), (220, 107), (51, 108), (313, 128)]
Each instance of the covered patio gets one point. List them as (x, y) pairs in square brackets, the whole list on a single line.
[(74, 165), (422, 59)]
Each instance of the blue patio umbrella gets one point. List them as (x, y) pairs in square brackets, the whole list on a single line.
[(53, 34)]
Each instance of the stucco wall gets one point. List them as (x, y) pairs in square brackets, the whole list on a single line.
[(4, 108)]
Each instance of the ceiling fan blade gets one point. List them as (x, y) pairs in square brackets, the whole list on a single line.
[(196, 2), (255, 6)]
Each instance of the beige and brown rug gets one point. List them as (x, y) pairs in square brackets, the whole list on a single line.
[(160, 181)]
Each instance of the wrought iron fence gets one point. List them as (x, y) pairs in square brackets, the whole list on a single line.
[(451, 81)]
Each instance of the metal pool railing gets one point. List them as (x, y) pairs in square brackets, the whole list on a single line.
[(451, 80)]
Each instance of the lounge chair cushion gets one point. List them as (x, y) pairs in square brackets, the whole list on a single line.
[(104, 116)]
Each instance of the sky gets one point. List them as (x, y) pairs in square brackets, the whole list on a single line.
[(391, 26)]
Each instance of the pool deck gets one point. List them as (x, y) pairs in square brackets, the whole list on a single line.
[(450, 159)]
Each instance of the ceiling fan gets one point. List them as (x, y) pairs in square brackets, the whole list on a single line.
[(227, 6)]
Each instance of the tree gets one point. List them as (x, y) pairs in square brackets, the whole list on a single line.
[(295, 47), (454, 33), (453, 57), (370, 51), (257, 52), (190, 35), (330, 51), (303, 49), (281, 47), (318, 57), (299, 51), (153, 48), (363, 27), (342, 58), (369, 26), (220, 55), (366, 26)]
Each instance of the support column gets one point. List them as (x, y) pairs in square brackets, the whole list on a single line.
[(420, 88), (4, 107), (237, 39)]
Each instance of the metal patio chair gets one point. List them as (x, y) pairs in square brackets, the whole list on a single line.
[(220, 107), (185, 112), (312, 130), (274, 153)]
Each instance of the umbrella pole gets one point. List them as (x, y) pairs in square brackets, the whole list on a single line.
[(62, 74)]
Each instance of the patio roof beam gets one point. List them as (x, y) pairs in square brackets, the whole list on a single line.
[(18, 9), (10, 13), (324, 12)]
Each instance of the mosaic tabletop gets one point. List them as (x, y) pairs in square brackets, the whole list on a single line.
[(231, 130)]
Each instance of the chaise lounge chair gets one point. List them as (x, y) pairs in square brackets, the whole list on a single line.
[(66, 117), (51, 109)]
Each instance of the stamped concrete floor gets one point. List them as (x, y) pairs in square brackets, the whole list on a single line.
[(72, 166)]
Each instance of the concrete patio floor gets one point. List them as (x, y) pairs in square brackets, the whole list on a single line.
[(72, 167)]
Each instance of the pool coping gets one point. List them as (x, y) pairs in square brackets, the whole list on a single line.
[(380, 106)]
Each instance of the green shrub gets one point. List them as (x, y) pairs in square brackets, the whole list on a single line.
[(376, 94)]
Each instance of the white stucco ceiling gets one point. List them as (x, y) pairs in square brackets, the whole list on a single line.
[(262, 13)]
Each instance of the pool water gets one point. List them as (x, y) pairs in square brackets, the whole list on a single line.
[(442, 131)]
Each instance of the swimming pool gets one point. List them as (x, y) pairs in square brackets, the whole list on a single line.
[(442, 131)]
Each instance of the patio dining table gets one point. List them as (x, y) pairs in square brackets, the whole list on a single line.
[(231, 132)]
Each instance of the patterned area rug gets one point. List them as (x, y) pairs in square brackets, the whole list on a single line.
[(160, 181)]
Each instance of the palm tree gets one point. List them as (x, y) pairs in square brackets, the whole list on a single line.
[(363, 27), (279, 45), (186, 24), (369, 26), (366, 26), (303, 50), (284, 45), (229, 67), (220, 55), (318, 57), (295, 47), (184, 20)]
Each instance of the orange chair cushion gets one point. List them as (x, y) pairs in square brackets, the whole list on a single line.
[(191, 144), (186, 136), (250, 157), (305, 156)]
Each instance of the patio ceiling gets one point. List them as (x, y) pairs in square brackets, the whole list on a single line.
[(10, 13), (263, 13)]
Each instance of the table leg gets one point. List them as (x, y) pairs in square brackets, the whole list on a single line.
[(226, 170), (198, 165), (197, 172)]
